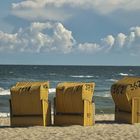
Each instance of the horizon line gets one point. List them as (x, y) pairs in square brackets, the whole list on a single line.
[(69, 65)]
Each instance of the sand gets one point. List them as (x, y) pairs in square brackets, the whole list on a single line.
[(104, 129)]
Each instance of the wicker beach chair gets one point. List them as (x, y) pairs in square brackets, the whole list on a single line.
[(126, 95), (73, 104), (29, 104)]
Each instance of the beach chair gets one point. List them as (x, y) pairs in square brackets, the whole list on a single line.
[(73, 104), (126, 95), (29, 104)]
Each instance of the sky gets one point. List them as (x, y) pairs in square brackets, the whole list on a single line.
[(69, 32)]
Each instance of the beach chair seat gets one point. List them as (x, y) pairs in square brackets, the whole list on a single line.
[(126, 95), (73, 104), (29, 104)]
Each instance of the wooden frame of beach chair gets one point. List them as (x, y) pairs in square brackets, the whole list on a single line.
[(136, 110), (126, 95), (86, 114), (24, 114)]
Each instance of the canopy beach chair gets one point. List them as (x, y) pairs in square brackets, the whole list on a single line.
[(126, 95), (29, 104), (73, 104)]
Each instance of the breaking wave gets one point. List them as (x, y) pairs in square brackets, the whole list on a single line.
[(126, 74), (4, 92), (112, 80), (107, 95), (52, 90), (123, 74), (2, 115), (81, 76)]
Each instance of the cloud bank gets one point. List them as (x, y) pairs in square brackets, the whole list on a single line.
[(54, 37), (100, 5), (59, 9)]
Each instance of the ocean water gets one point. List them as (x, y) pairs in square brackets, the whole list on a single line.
[(103, 76)]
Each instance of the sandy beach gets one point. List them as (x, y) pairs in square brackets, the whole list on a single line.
[(104, 129)]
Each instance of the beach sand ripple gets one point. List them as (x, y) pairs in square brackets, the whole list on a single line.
[(104, 129)]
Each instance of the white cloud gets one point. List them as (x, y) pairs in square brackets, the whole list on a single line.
[(63, 39), (37, 26), (103, 6), (100, 5), (120, 40), (136, 30), (33, 39), (89, 48), (107, 43), (29, 4), (36, 10), (134, 40)]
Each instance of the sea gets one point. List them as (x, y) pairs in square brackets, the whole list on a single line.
[(103, 76)]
